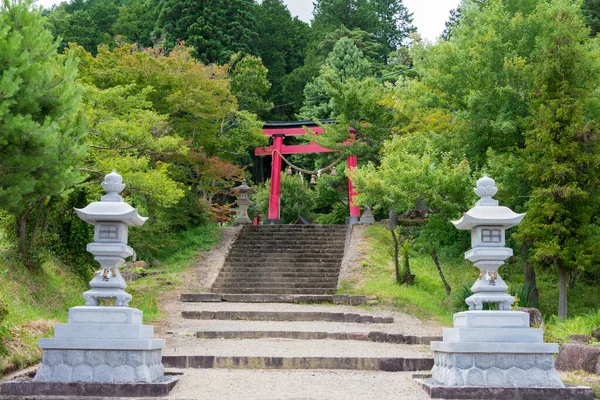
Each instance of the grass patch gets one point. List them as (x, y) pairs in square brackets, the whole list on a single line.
[(582, 378), (174, 261), (425, 297), (585, 324)]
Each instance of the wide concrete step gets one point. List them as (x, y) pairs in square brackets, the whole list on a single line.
[(390, 364), (371, 336), (296, 354), (353, 300), (287, 316), (274, 291)]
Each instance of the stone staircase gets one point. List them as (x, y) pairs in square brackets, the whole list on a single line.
[(283, 259)]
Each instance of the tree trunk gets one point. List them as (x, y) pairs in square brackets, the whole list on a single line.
[(406, 276), (530, 280), (573, 280), (392, 226), (23, 228), (38, 220), (439, 268), (562, 293)]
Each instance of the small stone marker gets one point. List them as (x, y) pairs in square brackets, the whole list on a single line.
[(243, 193), (492, 348), (367, 216), (105, 344)]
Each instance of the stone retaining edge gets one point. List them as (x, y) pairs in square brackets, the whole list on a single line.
[(26, 387), (569, 392)]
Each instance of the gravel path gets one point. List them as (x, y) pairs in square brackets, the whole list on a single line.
[(222, 384), (403, 323), (291, 348)]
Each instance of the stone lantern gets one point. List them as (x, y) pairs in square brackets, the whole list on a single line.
[(488, 223), (111, 218), (105, 344), (243, 193), (491, 348)]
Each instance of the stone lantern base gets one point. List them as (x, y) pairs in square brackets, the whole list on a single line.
[(102, 344), (494, 349)]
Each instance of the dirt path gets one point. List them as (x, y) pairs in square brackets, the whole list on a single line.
[(199, 278)]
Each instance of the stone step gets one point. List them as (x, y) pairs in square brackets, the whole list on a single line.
[(391, 364), (293, 265), (300, 241), (273, 247), (289, 252), (371, 336), (275, 285), (353, 300), (287, 316), (274, 277), (276, 274), (276, 281), (297, 258), (275, 291)]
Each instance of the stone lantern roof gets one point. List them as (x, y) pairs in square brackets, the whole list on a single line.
[(112, 207), (244, 188), (487, 211)]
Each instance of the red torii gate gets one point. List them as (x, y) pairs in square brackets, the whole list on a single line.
[(279, 130)]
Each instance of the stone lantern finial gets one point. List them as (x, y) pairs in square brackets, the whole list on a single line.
[(113, 185), (486, 189)]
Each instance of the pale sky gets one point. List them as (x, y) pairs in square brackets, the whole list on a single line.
[(429, 15)]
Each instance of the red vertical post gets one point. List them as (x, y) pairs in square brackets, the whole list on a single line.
[(273, 216), (354, 210)]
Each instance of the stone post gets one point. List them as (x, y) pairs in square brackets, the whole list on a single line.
[(106, 344), (492, 348)]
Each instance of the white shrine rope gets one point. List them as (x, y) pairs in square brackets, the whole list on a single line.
[(306, 171)]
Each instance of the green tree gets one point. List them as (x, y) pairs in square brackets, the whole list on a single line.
[(249, 84), (135, 22), (388, 21), (591, 14), (297, 198), (41, 131), (215, 29), (344, 62), (562, 145), (88, 23), (282, 42)]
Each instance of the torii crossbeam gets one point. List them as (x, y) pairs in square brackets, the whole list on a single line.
[(278, 131)]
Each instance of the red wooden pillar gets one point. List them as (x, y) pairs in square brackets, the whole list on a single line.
[(273, 217), (354, 210)]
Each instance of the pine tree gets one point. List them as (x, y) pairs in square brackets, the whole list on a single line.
[(216, 29), (562, 150), (591, 13), (345, 61), (282, 42), (389, 21), (40, 131)]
